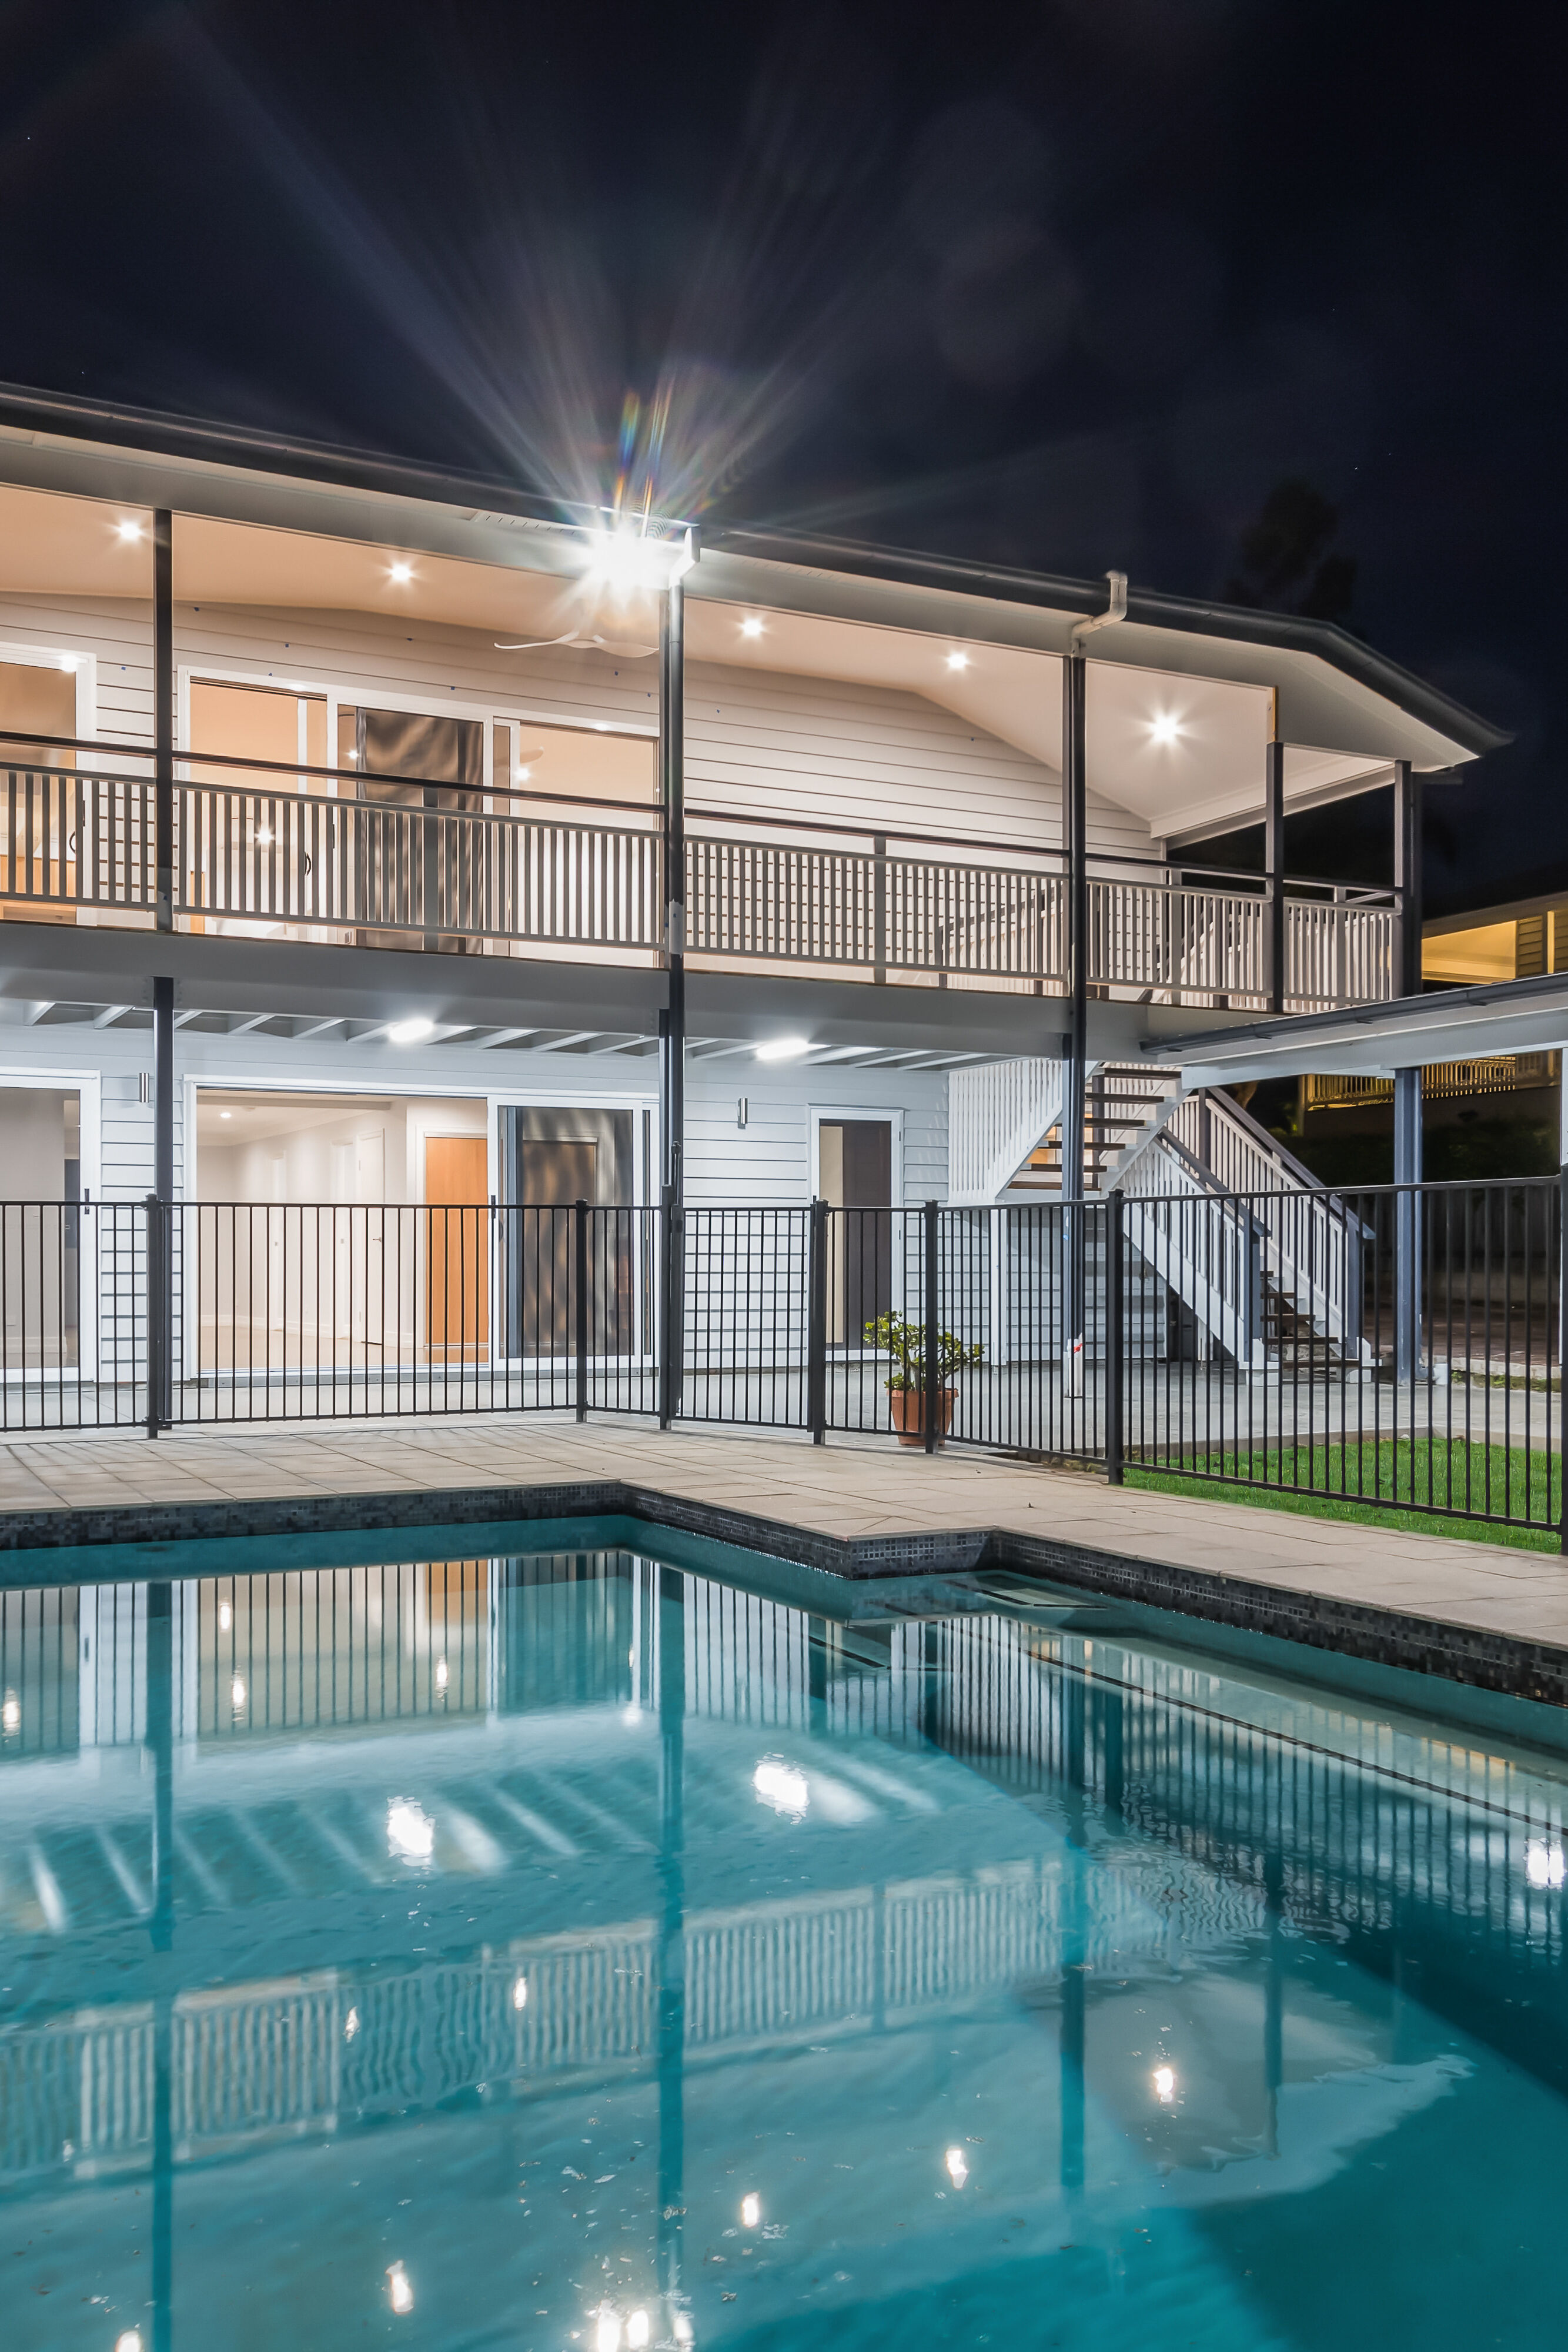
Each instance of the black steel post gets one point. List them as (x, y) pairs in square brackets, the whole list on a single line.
[(155, 1333), (672, 1021), (817, 1325), (164, 718), (160, 1293), (1408, 847), (1115, 1336), (932, 1371), (1274, 867), (1074, 835), (579, 1284)]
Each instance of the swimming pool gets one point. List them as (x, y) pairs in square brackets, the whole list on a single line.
[(617, 1943)]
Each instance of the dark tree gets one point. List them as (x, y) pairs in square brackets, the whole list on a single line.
[(1288, 562)]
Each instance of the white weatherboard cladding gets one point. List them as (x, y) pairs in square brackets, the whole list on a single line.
[(756, 742), (767, 1160), (770, 1159)]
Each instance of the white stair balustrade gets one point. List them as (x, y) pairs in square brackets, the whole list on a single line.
[(997, 1116)]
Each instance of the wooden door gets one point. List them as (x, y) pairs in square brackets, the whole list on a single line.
[(457, 1248)]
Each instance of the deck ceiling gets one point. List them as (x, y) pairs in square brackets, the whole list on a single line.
[(1177, 722)]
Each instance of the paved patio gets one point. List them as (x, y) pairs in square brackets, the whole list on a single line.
[(852, 1492)]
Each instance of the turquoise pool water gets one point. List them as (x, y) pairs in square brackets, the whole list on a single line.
[(569, 1948)]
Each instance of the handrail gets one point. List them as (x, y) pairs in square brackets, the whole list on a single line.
[(1168, 867)]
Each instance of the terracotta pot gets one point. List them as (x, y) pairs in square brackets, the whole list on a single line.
[(907, 1407)]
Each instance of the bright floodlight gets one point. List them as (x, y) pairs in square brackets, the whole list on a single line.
[(626, 561), (783, 1049), (411, 1832), (130, 529), (957, 661), (413, 1032), (401, 572)]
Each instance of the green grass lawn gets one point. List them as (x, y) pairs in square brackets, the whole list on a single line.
[(1373, 1481)]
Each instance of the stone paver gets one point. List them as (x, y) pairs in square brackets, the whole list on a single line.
[(849, 1490)]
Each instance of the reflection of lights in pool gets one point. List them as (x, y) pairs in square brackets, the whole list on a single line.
[(441, 1674), (1164, 2085), (11, 1713), (682, 2328), (1544, 1864), (752, 2210), (237, 1693), (520, 1993), (607, 2334), (225, 1615), (402, 2292), (779, 1785), (637, 2330), (957, 2169), (129, 2342), (350, 2025), (411, 1832)]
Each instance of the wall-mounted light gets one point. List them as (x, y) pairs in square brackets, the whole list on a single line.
[(783, 1049), (70, 664), (412, 1032), (742, 1111)]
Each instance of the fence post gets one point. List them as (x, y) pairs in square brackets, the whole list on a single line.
[(579, 1279), (157, 1328), (1114, 1337), (933, 1318), (817, 1324), (671, 1289), (1562, 1327)]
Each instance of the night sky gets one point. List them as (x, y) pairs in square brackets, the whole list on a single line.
[(1070, 286)]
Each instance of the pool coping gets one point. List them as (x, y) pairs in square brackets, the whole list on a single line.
[(1477, 1655)]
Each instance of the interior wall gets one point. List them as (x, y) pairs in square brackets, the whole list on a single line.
[(327, 1159), (36, 1124)]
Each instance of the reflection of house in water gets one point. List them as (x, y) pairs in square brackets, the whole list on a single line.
[(1000, 1832)]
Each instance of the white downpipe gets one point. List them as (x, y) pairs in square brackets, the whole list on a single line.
[(1116, 611)]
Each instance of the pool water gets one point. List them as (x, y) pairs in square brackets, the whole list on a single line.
[(570, 1948)]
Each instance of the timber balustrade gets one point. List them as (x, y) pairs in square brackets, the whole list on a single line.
[(354, 858)]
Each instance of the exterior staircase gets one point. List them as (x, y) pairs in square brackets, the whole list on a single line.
[(1256, 1258)]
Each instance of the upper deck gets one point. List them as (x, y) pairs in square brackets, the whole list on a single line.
[(360, 717)]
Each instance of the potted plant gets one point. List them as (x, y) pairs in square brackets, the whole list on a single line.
[(894, 1335)]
